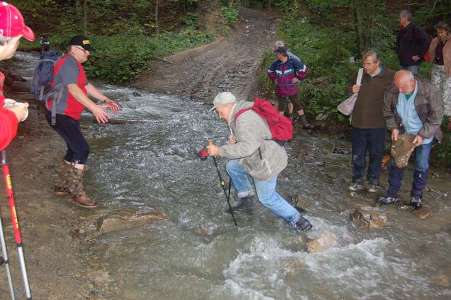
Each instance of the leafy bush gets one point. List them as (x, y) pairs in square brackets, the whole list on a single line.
[(230, 14)]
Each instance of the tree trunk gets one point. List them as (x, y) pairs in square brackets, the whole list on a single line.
[(85, 17), (157, 4)]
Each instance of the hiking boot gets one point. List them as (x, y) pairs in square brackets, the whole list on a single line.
[(356, 187), (302, 225), (76, 189), (373, 188), (84, 201), (61, 184), (241, 202), (385, 200), (415, 202)]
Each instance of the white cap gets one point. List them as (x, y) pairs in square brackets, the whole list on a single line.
[(223, 99)]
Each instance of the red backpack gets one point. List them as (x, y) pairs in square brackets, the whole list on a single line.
[(280, 126)]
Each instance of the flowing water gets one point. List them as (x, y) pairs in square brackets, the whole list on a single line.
[(151, 162)]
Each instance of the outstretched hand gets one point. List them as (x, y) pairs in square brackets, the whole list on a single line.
[(212, 149), (418, 140), (113, 105), (100, 114)]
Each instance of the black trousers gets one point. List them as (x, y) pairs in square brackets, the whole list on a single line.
[(69, 129)]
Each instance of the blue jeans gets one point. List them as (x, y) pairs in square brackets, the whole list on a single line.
[(420, 174), (266, 192), (371, 140)]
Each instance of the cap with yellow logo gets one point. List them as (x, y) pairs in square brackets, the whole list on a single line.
[(82, 41)]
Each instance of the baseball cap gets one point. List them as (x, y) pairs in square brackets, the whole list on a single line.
[(81, 40), (12, 23), (223, 98), (281, 50)]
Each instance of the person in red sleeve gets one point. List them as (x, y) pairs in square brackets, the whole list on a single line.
[(64, 114), (12, 29)]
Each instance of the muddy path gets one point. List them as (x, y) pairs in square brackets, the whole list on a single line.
[(228, 64)]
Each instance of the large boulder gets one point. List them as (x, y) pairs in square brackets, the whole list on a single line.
[(123, 219), (325, 241), (364, 219)]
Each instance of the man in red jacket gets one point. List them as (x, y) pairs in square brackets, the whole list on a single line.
[(64, 116), (12, 28)]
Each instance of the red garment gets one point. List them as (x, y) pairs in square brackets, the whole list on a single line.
[(8, 120), (8, 126), (65, 69)]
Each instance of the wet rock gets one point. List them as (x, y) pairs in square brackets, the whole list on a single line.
[(136, 94), (299, 203), (423, 213), (127, 218), (377, 221), (440, 280), (368, 219), (325, 241)]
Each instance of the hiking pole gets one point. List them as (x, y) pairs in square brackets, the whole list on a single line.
[(15, 223), (203, 155), (222, 183), (4, 260)]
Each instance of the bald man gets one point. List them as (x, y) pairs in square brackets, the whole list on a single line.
[(412, 106)]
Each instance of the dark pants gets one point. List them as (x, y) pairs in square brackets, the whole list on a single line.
[(420, 174), (371, 140), (69, 129), (282, 103)]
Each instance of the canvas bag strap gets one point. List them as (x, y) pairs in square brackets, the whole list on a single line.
[(359, 77)]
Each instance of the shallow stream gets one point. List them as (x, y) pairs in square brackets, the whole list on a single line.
[(151, 162)]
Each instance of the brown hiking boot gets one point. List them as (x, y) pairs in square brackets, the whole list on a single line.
[(62, 181), (76, 189), (84, 201)]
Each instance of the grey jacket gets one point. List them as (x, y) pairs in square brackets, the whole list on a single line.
[(252, 133), (428, 105)]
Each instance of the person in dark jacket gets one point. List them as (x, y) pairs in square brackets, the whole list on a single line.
[(414, 107), (286, 72), (12, 28), (411, 43), (368, 124)]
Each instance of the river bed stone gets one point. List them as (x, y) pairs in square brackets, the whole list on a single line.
[(123, 219)]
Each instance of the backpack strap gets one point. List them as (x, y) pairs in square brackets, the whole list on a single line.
[(241, 111)]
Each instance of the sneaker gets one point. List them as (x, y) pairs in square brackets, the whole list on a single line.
[(387, 200), (356, 187), (415, 202), (373, 188), (302, 225)]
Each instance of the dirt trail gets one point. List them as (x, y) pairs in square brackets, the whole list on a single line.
[(228, 64)]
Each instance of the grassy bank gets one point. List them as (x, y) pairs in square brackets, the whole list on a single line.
[(120, 58)]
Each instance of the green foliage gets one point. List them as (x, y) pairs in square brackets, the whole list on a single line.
[(120, 58), (230, 14)]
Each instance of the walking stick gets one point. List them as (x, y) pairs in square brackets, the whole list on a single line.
[(4, 260), (15, 224), (221, 181)]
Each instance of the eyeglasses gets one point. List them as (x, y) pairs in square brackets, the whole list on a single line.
[(82, 49)]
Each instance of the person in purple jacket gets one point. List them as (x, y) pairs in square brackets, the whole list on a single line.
[(286, 72)]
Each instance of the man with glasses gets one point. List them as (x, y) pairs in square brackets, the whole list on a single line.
[(70, 78)]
